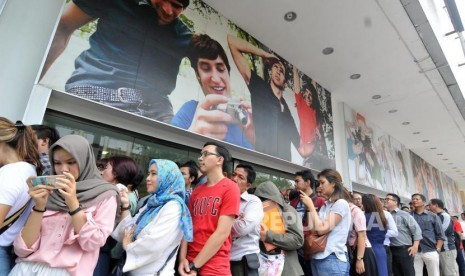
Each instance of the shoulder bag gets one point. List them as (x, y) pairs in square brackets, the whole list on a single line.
[(8, 222), (315, 243), (118, 269)]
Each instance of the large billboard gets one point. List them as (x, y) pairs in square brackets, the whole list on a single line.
[(375, 159), (379, 161), (194, 69)]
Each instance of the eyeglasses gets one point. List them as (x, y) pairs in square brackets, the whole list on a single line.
[(102, 167), (387, 199), (207, 153)]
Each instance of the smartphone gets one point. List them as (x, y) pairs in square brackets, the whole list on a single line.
[(49, 180)]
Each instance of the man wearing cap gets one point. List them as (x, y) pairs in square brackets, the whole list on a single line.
[(134, 54)]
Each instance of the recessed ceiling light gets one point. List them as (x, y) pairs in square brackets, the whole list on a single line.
[(355, 76), (290, 16), (328, 51), (433, 148), (445, 159), (406, 123), (416, 132), (392, 111), (454, 168), (439, 153), (457, 171), (376, 97), (425, 141), (450, 163)]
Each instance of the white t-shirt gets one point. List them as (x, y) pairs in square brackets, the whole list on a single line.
[(337, 237), (149, 252), (14, 189)]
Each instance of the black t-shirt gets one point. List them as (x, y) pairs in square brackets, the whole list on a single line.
[(274, 130), (129, 48)]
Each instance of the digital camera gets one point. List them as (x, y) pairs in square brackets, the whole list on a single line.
[(235, 109)]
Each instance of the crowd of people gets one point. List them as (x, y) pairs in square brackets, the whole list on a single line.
[(198, 220)]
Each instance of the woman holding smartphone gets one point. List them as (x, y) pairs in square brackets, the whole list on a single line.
[(19, 160), (70, 223), (158, 228), (333, 220)]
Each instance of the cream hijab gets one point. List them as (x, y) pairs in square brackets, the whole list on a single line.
[(90, 187)]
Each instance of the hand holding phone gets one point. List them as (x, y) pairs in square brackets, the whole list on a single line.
[(49, 180)]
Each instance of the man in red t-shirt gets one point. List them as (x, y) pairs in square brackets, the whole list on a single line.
[(459, 230), (305, 182), (213, 208)]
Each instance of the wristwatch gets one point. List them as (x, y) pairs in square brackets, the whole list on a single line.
[(193, 267), (359, 258)]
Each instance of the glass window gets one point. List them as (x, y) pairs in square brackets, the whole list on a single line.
[(108, 141), (282, 180)]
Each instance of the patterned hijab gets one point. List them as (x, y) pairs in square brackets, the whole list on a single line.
[(90, 187), (170, 186)]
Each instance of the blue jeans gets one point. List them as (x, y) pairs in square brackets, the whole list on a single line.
[(5, 260), (330, 266)]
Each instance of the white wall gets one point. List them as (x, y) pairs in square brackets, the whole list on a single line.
[(25, 30)]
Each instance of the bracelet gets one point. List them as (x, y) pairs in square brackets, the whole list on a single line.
[(125, 208), (72, 213), (38, 210)]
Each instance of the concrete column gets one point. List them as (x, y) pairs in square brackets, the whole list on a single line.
[(26, 29)]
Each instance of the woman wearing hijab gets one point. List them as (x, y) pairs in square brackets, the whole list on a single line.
[(69, 224), (159, 226)]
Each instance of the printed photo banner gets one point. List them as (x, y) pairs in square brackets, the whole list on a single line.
[(375, 159), (195, 70), (379, 161)]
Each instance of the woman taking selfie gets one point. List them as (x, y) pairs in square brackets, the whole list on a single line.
[(333, 220), (19, 160), (69, 224), (158, 228)]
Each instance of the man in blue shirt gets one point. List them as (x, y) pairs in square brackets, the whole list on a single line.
[(448, 254), (134, 54), (212, 68), (433, 237)]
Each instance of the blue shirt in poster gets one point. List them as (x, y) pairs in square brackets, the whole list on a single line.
[(185, 115)]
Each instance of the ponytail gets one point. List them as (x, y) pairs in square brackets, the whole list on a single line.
[(21, 138)]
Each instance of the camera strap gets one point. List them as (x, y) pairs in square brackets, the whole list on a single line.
[(13, 218)]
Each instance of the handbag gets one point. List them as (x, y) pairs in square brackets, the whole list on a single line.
[(8, 222), (271, 265), (118, 269), (315, 243)]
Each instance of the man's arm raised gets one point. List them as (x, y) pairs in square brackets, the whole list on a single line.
[(238, 47), (70, 20)]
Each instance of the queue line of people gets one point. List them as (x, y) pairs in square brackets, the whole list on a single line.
[(197, 221)]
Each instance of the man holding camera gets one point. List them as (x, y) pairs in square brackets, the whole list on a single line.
[(218, 115)]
